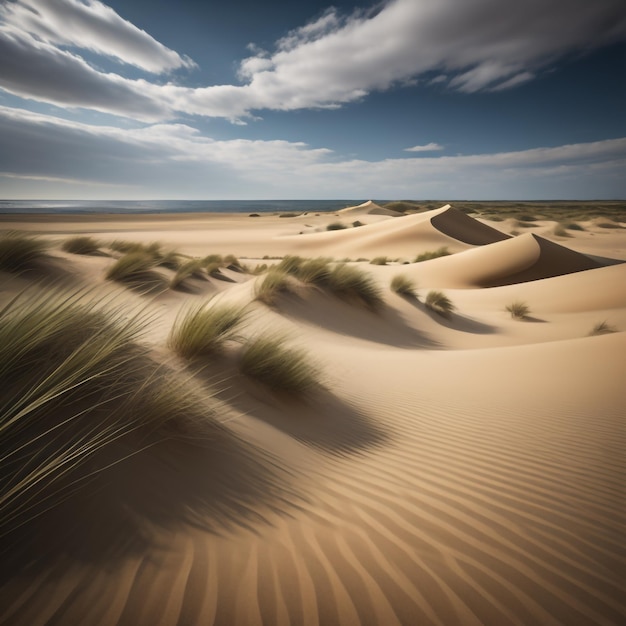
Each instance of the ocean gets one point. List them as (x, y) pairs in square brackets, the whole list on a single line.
[(173, 206)]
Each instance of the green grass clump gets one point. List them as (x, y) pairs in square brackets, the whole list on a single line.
[(404, 286), (282, 369), (336, 226), (126, 246), (432, 254), (438, 302), (203, 330), (233, 263), (602, 328), (315, 271), (75, 381), (19, 252), (81, 245), (351, 283), (171, 260), (518, 310), (276, 282), (133, 266), (61, 359), (191, 269), (290, 264), (379, 260), (357, 223), (211, 259)]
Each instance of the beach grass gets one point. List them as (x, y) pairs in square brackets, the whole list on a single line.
[(76, 381), (603, 328), (518, 310), (19, 251), (269, 361), (204, 329), (81, 245), (352, 284), (432, 254), (404, 286), (133, 267), (275, 282), (438, 302)]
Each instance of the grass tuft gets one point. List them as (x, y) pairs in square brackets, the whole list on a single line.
[(132, 267), (351, 283), (190, 269), (20, 252), (203, 330), (404, 286), (276, 282), (602, 328), (379, 260), (282, 369), (75, 380), (81, 245), (518, 310), (432, 254), (438, 302)]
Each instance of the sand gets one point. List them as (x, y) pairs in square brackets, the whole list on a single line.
[(462, 470)]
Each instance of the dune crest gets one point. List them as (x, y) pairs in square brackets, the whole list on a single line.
[(520, 259), (456, 224)]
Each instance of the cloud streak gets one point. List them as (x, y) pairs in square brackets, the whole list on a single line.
[(92, 26), (176, 159)]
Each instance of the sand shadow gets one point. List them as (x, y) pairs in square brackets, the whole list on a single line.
[(333, 314), (148, 283), (318, 419), (456, 321)]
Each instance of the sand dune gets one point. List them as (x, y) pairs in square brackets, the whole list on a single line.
[(368, 208), (461, 471), (520, 259)]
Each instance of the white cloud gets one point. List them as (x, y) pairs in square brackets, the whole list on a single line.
[(470, 44), (93, 26), (429, 147), (176, 160)]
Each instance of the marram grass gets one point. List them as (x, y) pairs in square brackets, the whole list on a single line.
[(76, 380), (203, 330), (19, 251), (353, 284), (275, 283), (269, 361), (438, 302), (404, 286), (518, 310), (81, 244)]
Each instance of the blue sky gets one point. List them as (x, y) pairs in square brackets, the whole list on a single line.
[(445, 99)]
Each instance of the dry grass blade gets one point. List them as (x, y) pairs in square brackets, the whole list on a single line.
[(603, 328)]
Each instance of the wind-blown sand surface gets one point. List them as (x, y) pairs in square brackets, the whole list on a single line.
[(461, 470)]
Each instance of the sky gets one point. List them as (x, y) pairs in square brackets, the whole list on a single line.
[(411, 99)]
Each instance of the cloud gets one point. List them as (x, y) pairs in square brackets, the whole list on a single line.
[(176, 160), (470, 45), (429, 147), (93, 26)]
